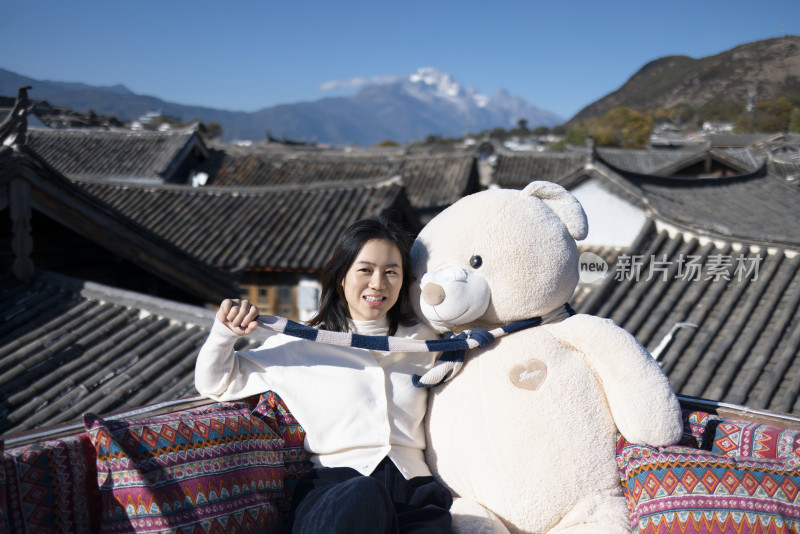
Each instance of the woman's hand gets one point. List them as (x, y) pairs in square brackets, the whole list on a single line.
[(238, 315)]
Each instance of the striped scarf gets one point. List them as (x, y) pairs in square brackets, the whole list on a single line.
[(452, 346)]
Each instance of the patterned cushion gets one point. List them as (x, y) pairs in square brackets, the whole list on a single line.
[(5, 526), (209, 469), (687, 490), (695, 426), (51, 486), (740, 438), (297, 461)]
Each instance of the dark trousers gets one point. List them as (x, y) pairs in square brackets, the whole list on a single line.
[(341, 500)]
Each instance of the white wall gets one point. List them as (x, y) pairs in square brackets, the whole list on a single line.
[(612, 221), (308, 294)]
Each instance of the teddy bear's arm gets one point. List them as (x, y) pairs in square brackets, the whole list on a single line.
[(643, 404)]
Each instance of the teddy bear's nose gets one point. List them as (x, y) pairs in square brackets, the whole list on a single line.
[(432, 294)]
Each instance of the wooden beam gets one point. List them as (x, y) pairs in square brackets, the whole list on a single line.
[(21, 240)]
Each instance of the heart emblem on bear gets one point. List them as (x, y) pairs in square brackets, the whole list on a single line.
[(529, 375)]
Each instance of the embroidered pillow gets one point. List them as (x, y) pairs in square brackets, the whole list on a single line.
[(740, 438), (5, 526), (695, 425), (695, 428), (680, 490), (297, 461), (209, 469), (50, 486)]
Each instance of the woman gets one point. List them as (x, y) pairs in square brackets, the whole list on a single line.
[(361, 413)]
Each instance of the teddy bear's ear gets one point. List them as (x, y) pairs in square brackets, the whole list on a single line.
[(563, 203)]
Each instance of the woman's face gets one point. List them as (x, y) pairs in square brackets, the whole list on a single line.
[(372, 283)]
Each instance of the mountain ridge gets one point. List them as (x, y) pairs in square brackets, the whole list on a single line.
[(423, 103), (770, 68)]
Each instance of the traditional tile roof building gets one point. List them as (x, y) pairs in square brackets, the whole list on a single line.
[(738, 307), (720, 254), (786, 168), (170, 156), (277, 237), (271, 228), (52, 223), (261, 168), (68, 346), (515, 170), (432, 181), (704, 162), (749, 208)]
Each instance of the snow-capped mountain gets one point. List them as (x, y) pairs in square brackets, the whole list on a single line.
[(432, 102), (432, 87), (428, 84)]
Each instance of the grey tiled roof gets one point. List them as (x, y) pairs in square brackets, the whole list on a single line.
[(670, 162), (68, 346), (785, 168), (645, 161), (280, 168), (746, 347), (747, 159), (737, 140), (90, 153), (431, 181), (274, 228), (436, 181), (753, 208), (54, 196), (516, 170)]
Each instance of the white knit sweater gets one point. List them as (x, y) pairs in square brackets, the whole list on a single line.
[(356, 406)]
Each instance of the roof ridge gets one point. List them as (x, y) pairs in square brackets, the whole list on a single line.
[(186, 131), (171, 309), (381, 181)]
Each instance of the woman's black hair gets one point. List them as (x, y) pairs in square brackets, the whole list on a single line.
[(333, 310)]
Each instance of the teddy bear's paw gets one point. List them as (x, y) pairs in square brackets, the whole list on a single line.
[(470, 517), (599, 514)]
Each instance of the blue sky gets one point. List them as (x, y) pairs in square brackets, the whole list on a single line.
[(246, 55)]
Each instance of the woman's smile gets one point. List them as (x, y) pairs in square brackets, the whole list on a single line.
[(372, 284)]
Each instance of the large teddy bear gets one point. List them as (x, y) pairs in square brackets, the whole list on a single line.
[(524, 435)]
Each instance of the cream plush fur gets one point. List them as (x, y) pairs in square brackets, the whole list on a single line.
[(538, 456)]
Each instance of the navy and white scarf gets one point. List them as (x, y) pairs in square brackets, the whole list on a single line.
[(452, 346)]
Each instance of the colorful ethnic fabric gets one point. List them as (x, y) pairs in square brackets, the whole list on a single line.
[(740, 438), (685, 490), (296, 460), (50, 486), (210, 469)]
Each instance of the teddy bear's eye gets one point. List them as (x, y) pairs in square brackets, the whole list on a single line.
[(476, 262)]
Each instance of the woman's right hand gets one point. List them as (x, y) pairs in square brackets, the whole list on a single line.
[(238, 315)]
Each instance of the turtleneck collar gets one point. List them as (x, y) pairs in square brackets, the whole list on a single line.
[(376, 327)]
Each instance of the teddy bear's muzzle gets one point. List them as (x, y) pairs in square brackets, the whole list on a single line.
[(452, 295)]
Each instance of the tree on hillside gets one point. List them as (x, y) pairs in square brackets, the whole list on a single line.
[(794, 123), (768, 116), (576, 135), (212, 130), (621, 127)]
